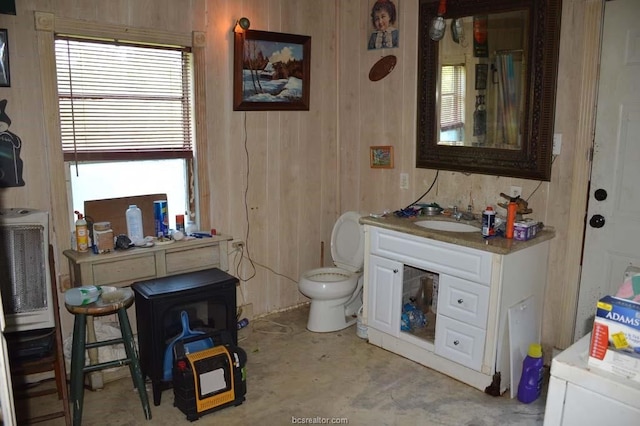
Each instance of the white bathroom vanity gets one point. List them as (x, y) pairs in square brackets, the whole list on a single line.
[(489, 303)]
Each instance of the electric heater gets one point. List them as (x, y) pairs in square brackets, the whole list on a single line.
[(24, 261)]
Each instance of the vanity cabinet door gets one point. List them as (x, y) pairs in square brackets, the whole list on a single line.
[(384, 295)]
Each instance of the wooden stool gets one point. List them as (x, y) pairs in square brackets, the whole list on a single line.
[(78, 369)]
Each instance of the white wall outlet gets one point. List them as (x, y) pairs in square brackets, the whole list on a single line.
[(516, 191), (404, 180), (557, 143), (237, 244)]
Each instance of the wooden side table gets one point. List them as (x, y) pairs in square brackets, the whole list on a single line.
[(121, 268)]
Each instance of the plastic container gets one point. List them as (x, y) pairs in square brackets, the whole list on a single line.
[(82, 233), (243, 323), (190, 228), (530, 385), (103, 237), (78, 296), (134, 224), (362, 331), (488, 222), (512, 207)]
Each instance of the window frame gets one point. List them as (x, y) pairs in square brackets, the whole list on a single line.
[(46, 24), (124, 149)]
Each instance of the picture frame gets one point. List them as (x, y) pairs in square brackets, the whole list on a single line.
[(5, 74), (271, 71), (381, 157), (482, 71)]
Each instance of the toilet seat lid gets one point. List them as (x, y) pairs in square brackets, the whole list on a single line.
[(347, 242)]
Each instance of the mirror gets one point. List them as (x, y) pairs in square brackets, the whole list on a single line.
[(486, 91)]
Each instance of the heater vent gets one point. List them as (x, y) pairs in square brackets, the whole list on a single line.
[(24, 287), (25, 284)]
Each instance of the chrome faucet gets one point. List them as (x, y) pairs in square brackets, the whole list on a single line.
[(468, 215)]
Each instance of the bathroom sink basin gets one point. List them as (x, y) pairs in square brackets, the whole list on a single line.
[(443, 225)]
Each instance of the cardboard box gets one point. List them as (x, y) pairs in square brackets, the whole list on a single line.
[(524, 230), (615, 340)]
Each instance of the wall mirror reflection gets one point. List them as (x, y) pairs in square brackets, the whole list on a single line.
[(486, 90)]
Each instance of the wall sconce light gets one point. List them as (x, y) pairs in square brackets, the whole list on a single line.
[(242, 25)]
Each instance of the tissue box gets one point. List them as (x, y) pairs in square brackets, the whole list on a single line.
[(524, 230), (615, 340)]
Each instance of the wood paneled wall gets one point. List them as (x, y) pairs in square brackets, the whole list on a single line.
[(280, 179)]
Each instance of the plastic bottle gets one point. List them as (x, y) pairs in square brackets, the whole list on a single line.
[(488, 222), (134, 224), (243, 323), (78, 296), (512, 207), (530, 385), (191, 227), (82, 233)]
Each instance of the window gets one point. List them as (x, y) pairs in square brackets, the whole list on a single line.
[(452, 98), (126, 120)]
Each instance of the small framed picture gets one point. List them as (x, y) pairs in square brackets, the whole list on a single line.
[(381, 157), (5, 78), (482, 70)]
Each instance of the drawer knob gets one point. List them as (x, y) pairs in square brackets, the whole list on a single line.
[(460, 301), (395, 271), (456, 342)]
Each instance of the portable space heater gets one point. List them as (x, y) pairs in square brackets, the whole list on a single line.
[(210, 379), (24, 261)]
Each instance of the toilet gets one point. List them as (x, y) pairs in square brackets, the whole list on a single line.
[(336, 292)]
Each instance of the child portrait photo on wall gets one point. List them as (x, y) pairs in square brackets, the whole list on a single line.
[(383, 18)]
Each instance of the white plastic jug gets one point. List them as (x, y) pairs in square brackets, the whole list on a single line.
[(78, 296), (134, 224)]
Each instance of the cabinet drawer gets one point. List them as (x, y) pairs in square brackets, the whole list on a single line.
[(124, 270), (194, 259), (432, 255), (463, 300), (459, 342)]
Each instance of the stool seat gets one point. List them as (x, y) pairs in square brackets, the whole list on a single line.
[(101, 307), (115, 302)]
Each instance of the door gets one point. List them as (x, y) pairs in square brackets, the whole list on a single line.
[(384, 295), (612, 235)]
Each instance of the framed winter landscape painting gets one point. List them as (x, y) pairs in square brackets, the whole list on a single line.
[(271, 71)]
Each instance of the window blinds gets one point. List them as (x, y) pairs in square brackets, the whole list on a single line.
[(122, 101), (452, 97)]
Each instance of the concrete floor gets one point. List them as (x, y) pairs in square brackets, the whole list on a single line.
[(293, 373)]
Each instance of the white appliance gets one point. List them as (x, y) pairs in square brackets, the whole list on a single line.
[(26, 284), (580, 395)]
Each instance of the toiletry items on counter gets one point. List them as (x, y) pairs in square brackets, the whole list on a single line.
[(82, 233), (102, 237), (488, 222), (134, 224), (524, 230)]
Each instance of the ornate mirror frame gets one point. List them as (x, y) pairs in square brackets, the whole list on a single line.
[(533, 159)]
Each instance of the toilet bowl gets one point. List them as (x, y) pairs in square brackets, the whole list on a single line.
[(336, 292)]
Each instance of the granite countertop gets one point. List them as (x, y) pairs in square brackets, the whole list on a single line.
[(498, 244)]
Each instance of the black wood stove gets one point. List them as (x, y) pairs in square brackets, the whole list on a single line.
[(209, 299)]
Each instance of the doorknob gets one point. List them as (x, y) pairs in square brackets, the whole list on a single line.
[(596, 221), (600, 194)]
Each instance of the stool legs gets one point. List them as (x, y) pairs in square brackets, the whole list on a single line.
[(134, 364), (77, 367)]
